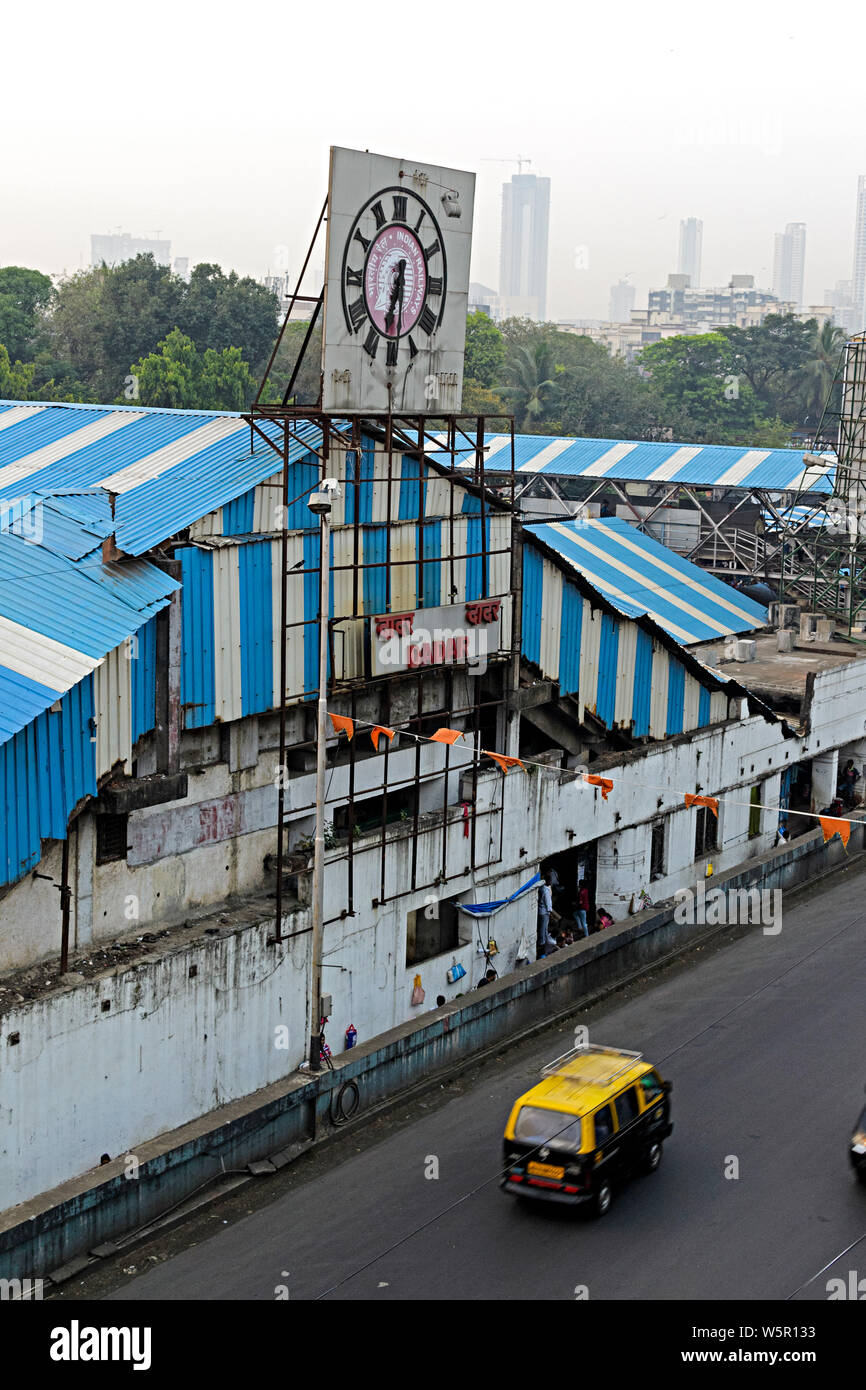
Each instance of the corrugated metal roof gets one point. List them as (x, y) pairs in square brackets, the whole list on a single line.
[(638, 575), (167, 468), (702, 465), (61, 614)]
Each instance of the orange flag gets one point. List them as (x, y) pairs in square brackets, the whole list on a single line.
[(446, 736), (603, 782), (380, 729), (504, 762), (710, 801), (342, 724), (831, 827)]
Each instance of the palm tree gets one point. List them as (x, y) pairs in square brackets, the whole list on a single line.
[(531, 372), (820, 369)]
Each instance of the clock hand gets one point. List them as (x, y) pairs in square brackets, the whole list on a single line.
[(396, 296)]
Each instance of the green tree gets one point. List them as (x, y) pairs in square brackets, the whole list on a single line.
[(107, 317), (220, 311), (25, 295), (701, 394), (478, 400), (485, 351), (825, 351), (307, 382), (15, 378), (772, 356), (181, 377), (531, 383)]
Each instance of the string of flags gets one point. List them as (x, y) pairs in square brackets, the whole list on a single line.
[(343, 724)]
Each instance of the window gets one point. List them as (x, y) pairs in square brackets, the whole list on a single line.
[(111, 834), (626, 1107), (432, 930), (651, 1087), (755, 813), (657, 851), (537, 1126), (603, 1125), (705, 832)]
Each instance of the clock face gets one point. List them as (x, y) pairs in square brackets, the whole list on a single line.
[(393, 276)]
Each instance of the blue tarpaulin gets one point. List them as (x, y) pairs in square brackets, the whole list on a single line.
[(488, 909)]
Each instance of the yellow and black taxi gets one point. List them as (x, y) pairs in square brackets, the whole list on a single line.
[(857, 1148), (597, 1114)]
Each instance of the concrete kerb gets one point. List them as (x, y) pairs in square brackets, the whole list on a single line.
[(97, 1211)]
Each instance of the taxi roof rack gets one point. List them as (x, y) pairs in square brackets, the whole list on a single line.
[(564, 1066)]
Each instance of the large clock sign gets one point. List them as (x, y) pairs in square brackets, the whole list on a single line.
[(396, 292), (391, 291)]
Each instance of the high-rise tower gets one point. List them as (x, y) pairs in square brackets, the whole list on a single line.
[(523, 253)]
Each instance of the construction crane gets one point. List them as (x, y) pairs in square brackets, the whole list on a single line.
[(519, 160)]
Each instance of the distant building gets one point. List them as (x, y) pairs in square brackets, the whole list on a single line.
[(276, 284), (117, 247), (621, 301), (789, 262), (701, 310), (841, 301), (858, 287), (523, 252), (689, 258), (181, 267), (482, 299)]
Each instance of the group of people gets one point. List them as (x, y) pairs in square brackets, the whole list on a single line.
[(557, 905)]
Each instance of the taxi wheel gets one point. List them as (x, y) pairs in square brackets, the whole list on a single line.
[(652, 1158), (603, 1198)]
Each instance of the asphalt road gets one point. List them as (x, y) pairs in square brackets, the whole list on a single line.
[(764, 1041)]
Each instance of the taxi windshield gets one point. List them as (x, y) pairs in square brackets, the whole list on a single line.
[(536, 1126)]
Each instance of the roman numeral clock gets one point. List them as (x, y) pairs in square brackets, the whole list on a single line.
[(399, 237)]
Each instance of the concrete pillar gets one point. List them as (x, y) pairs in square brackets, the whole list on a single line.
[(825, 769), (83, 843)]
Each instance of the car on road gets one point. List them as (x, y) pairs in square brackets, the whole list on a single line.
[(597, 1115)]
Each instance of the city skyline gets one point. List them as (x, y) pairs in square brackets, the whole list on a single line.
[(621, 183), (786, 279)]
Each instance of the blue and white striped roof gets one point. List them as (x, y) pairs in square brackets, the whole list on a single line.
[(166, 468), (638, 575), (62, 609), (702, 465), (794, 516)]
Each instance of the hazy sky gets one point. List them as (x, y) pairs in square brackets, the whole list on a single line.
[(212, 124)]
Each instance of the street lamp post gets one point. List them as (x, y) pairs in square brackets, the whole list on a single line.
[(320, 505)]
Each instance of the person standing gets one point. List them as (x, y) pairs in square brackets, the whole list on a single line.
[(581, 915), (546, 943), (848, 779)]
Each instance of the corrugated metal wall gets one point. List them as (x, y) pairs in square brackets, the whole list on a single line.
[(364, 491), (44, 770), (231, 604), (609, 663), (112, 684), (143, 675)]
